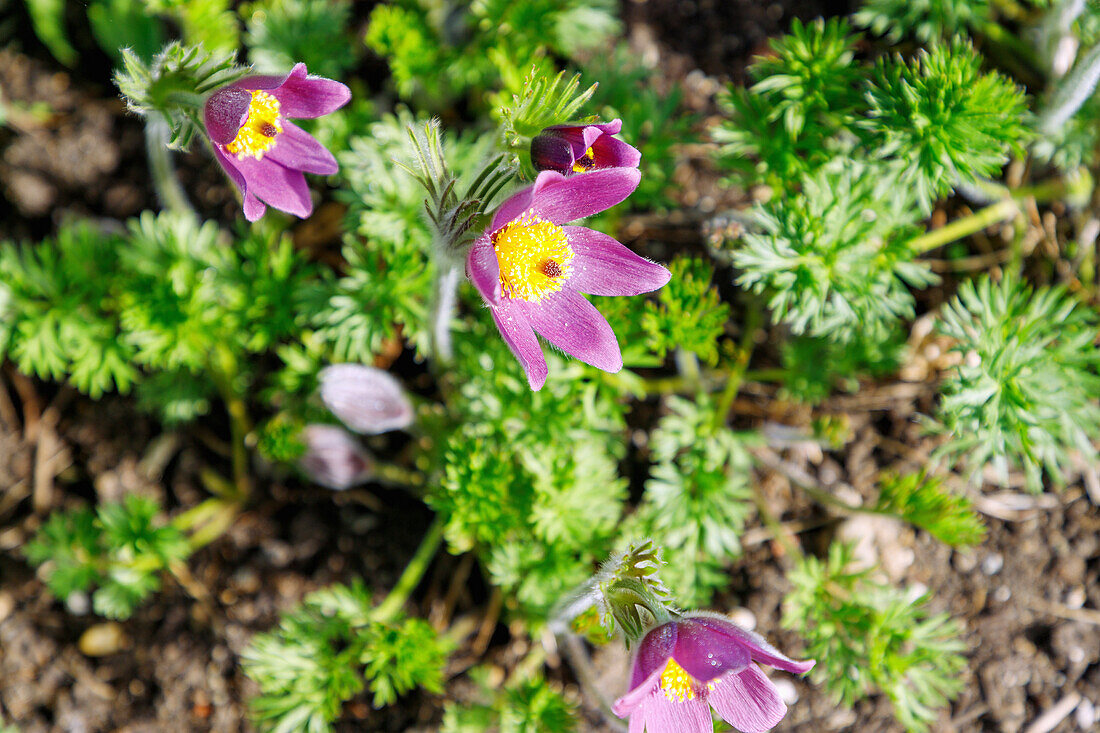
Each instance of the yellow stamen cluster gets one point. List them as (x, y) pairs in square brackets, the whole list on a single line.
[(534, 257), (583, 163), (676, 683), (257, 134)]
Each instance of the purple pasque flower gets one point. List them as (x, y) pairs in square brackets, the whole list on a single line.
[(685, 667), (570, 149), (261, 150), (531, 269)]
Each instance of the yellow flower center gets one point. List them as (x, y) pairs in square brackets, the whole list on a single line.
[(583, 163), (676, 683), (534, 256), (257, 134)]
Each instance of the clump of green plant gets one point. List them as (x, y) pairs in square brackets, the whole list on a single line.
[(121, 550), (1024, 395), (869, 637), (922, 500), (526, 705), (331, 648)]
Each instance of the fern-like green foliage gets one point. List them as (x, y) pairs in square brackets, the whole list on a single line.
[(281, 33), (922, 500), (56, 320), (526, 707), (330, 649), (814, 367), (122, 549), (688, 313), (1025, 394), (473, 48), (945, 120), (836, 259), (545, 100), (210, 23), (175, 84), (925, 20), (869, 637), (696, 499)]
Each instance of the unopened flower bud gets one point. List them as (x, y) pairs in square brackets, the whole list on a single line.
[(570, 149), (333, 457), (366, 399)]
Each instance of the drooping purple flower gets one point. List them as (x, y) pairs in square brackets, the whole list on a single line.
[(570, 149), (531, 269), (261, 150), (333, 457), (685, 667), (366, 399)]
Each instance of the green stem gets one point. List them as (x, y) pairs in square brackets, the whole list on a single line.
[(741, 362), (163, 171), (391, 474), (223, 372), (414, 571), (964, 227)]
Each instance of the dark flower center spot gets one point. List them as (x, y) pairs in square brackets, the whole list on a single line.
[(550, 268), (268, 130)]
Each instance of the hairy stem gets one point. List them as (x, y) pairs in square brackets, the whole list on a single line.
[(964, 227), (443, 306), (169, 191), (414, 571)]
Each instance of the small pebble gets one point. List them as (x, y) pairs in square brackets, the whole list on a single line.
[(744, 618), (915, 591), (1086, 714), (788, 693), (1075, 598), (78, 603), (1075, 655), (965, 561), (103, 640), (992, 564), (7, 605), (1002, 594)]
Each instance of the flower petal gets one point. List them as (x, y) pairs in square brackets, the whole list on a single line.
[(297, 149), (582, 195), (748, 701), (224, 113), (483, 269), (253, 207), (706, 654), (366, 399), (665, 716), (759, 648), (516, 331), (603, 266), (333, 458), (520, 202), (571, 323), (610, 151), (301, 95), (653, 653), (630, 703), (277, 185)]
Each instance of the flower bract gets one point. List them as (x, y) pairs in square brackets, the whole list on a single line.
[(685, 667), (570, 149), (531, 269), (261, 150)]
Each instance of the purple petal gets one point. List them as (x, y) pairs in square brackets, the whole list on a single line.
[(520, 202), (253, 207), (603, 266), (706, 654), (276, 185), (666, 716), (653, 653), (611, 152), (516, 331), (589, 135), (759, 648), (333, 458), (296, 149), (224, 113), (366, 399), (748, 701), (552, 152), (583, 195), (300, 95), (634, 699), (483, 269), (571, 323)]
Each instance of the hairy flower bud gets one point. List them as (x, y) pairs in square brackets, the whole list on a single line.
[(333, 457), (366, 399)]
